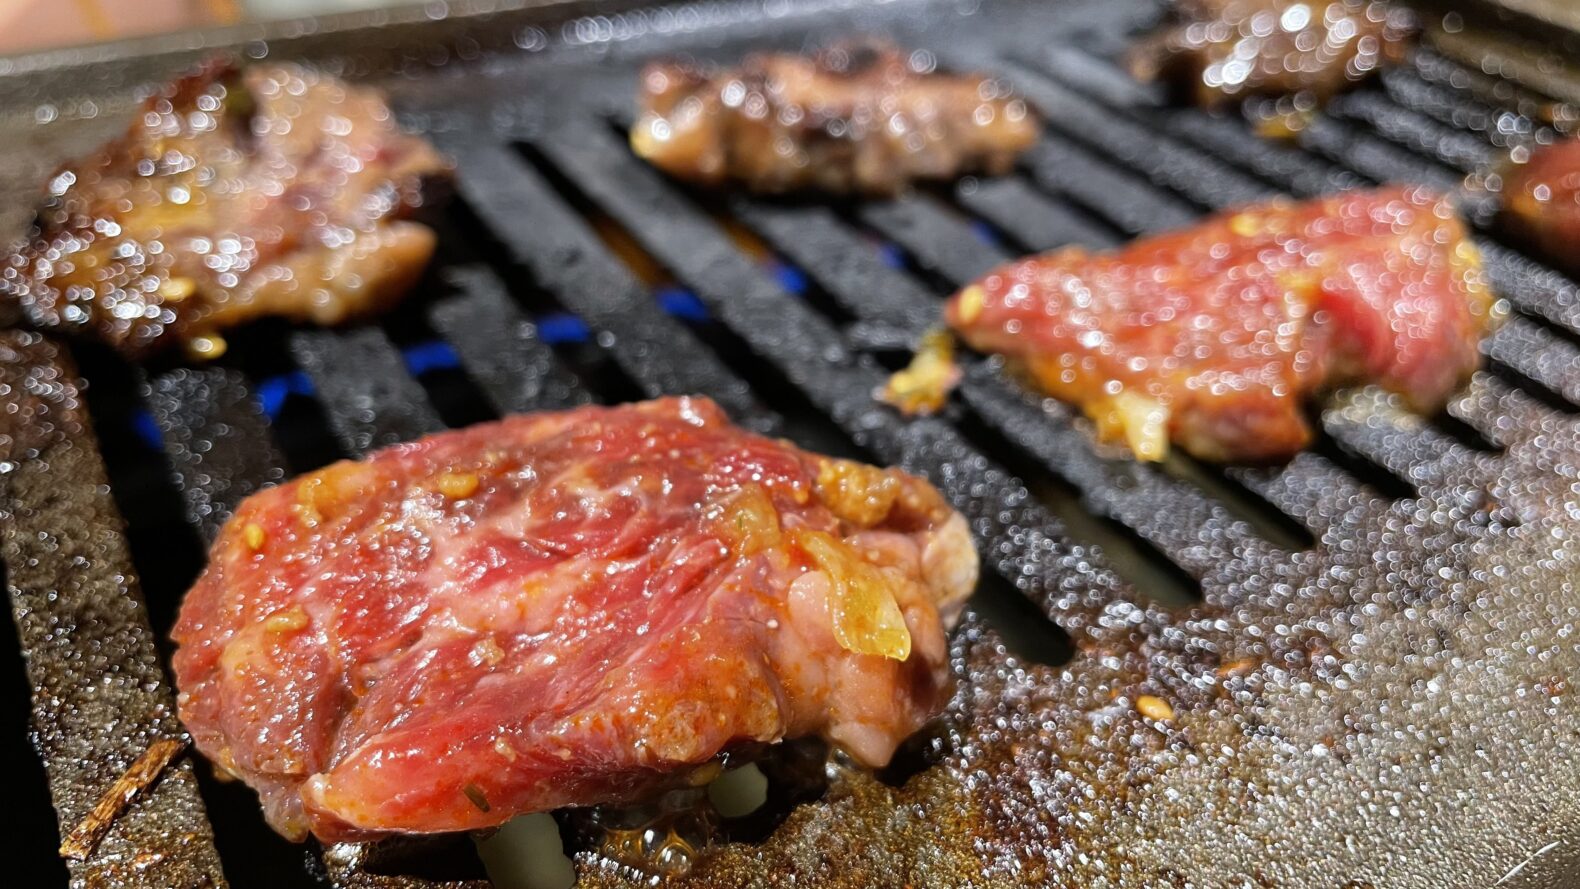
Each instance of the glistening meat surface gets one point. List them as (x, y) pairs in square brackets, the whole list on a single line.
[(559, 610), (859, 119), (234, 194), (1225, 50), (1215, 335)]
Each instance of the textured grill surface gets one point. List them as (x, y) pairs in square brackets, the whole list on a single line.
[(1368, 651)]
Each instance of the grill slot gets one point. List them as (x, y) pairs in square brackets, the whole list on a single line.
[(217, 441), (1133, 147), (1486, 91), (164, 548), (565, 256), (1406, 446), (1029, 221), (1415, 131), (367, 395), (1104, 190), (791, 307), (501, 348), (936, 239), (1315, 489), (1457, 111), (1371, 156), (1537, 353)]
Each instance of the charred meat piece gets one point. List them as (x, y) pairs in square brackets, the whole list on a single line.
[(850, 120), (1213, 336), (234, 194), (1226, 50), (562, 609), (1541, 202)]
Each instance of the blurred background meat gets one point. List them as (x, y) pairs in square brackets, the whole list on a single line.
[(854, 119), (1541, 202), (233, 195), (1226, 50), (562, 609), (1215, 336)]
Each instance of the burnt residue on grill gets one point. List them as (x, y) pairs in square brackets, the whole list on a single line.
[(1350, 670)]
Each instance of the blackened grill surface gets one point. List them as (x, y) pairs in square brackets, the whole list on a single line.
[(1368, 652)]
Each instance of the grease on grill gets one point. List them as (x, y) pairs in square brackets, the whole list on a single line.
[(98, 693), (739, 797), (664, 837)]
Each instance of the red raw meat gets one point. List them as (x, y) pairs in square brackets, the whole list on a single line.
[(1213, 336), (561, 609)]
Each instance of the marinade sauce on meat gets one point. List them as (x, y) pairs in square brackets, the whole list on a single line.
[(1214, 336), (852, 119), (234, 194), (562, 609)]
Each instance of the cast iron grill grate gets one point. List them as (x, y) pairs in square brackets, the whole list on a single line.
[(1367, 651)]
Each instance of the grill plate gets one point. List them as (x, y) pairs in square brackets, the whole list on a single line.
[(1368, 650)]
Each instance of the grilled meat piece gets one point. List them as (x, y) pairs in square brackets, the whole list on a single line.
[(1541, 202), (1213, 336), (849, 120), (561, 609), (234, 194), (1226, 50)]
